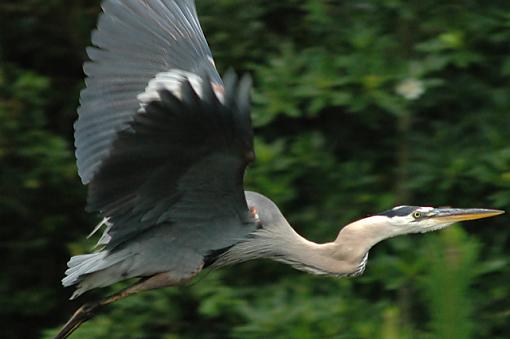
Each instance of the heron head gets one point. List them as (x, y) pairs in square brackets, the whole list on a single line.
[(417, 219)]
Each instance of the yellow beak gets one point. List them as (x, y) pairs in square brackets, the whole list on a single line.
[(462, 214)]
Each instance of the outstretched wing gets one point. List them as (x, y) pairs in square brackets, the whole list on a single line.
[(172, 187), (159, 139), (182, 161), (140, 46)]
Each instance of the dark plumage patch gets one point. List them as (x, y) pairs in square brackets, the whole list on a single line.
[(181, 159), (400, 211), (213, 255)]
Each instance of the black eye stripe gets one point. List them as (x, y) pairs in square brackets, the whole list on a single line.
[(400, 211)]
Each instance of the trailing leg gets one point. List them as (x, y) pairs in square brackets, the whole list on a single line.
[(89, 310)]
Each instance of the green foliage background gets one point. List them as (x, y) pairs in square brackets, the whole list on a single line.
[(337, 139)]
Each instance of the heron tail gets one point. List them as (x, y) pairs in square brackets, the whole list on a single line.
[(98, 269)]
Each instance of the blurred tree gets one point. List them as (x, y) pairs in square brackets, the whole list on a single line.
[(39, 200)]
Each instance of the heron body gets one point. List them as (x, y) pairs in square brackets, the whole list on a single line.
[(162, 141)]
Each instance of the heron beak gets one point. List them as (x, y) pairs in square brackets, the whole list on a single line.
[(462, 214)]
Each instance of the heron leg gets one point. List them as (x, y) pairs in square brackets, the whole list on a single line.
[(89, 310), (83, 314), (159, 280)]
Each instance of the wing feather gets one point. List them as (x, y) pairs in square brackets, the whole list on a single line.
[(135, 40), (181, 161)]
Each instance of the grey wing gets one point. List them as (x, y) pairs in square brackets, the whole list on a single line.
[(172, 187), (181, 162), (134, 42), (161, 143)]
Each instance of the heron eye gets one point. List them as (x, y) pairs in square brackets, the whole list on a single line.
[(416, 215)]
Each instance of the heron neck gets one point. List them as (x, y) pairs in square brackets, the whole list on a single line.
[(340, 257), (345, 256), (356, 239), (308, 256)]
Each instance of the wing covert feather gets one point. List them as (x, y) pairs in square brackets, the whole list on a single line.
[(182, 161)]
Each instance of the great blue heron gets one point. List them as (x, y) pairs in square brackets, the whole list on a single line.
[(163, 143)]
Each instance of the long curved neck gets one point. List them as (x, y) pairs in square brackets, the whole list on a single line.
[(358, 237), (277, 240), (345, 256)]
